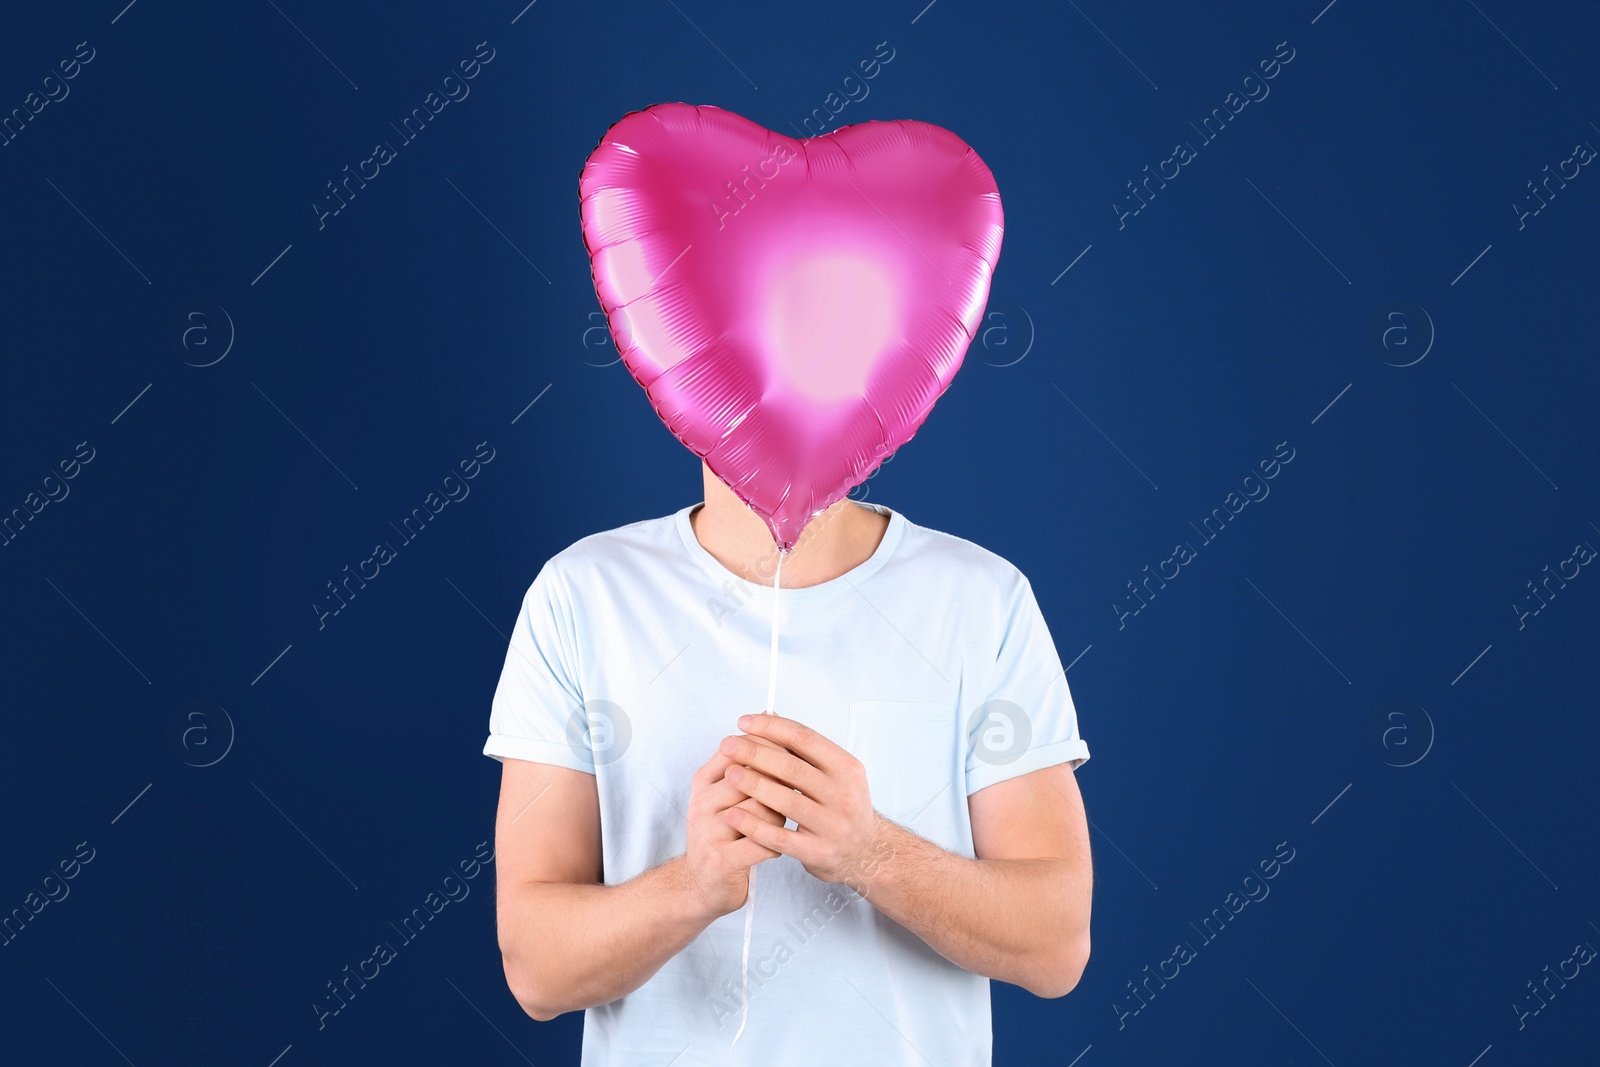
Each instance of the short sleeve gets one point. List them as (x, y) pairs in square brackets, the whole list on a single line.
[(538, 711), (1025, 720)]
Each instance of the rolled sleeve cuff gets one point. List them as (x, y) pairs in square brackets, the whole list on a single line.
[(505, 746), (1073, 750)]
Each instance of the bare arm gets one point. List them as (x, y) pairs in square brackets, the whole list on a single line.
[(569, 942), (1019, 912)]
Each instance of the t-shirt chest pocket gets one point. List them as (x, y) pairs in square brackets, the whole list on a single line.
[(905, 746)]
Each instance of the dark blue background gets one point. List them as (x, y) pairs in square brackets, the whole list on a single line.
[(1323, 639)]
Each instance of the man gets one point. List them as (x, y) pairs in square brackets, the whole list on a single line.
[(910, 811)]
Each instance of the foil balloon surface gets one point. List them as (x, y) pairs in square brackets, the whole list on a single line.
[(793, 308)]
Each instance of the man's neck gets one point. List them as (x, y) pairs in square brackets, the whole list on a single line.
[(834, 542)]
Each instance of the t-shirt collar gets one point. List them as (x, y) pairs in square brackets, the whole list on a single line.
[(757, 591)]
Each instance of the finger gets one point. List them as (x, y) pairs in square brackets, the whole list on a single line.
[(775, 795), (761, 811), (777, 763), (724, 794), (799, 739), (747, 803), (744, 853), (730, 843), (712, 769), (715, 830), (788, 842)]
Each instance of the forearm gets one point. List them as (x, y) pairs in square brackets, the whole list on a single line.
[(1020, 921), (567, 947)]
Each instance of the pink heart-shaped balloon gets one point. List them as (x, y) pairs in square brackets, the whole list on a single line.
[(793, 308)]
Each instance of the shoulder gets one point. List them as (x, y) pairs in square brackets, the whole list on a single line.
[(591, 558), (954, 561)]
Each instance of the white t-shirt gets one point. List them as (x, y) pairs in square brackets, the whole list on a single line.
[(633, 656)]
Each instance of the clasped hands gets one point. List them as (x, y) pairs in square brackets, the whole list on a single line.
[(780, 769)]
